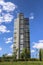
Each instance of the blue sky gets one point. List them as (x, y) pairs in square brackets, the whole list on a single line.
[(33, 9)]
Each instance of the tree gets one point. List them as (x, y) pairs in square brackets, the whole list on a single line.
[(22, 55), (15, 55), (25, 53), (40, 55), (4, 57)]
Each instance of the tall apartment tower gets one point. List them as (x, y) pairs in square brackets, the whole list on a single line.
[(21, 34)]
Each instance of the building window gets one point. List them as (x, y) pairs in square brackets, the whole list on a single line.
[(21, 41), (21, 36), (21, 31), (27, 26), (20, 51), (15, 32), (26, 35), (21, 21), (21, 17), (15, 37), (26, 23), (26, 30), (21, 47), (21, 26)]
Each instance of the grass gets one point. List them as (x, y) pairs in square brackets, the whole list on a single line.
[(22, 63)]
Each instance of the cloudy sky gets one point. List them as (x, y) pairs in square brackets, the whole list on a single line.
[(33, 9)]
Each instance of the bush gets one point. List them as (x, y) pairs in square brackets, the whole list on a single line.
[(34, 59)]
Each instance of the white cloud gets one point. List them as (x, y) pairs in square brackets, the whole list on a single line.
[(41, 41), (9, 7), (11, 46), (10, 54), (2, 2), (1, 19), (32, 51), (9, 40), (3, 29), (0, 10), (31, 16), (7, 17), (0, 48), (38, 45)]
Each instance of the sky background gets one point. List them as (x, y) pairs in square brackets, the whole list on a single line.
[(33, 9)]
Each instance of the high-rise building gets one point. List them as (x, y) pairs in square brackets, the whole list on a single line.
[(21, 34)]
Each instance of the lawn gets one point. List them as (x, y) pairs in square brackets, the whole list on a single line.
[(22, 63)]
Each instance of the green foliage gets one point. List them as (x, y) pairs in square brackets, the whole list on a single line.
[(14, 55), (40, 55), (22, 63), (33, 59), (22, 55), (25, 54)]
